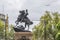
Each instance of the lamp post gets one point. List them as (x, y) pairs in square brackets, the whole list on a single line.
[(6, 27)]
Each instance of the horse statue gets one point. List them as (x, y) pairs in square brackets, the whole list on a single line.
[(22, 17)]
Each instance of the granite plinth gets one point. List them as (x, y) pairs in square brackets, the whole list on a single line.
[(23, 36)]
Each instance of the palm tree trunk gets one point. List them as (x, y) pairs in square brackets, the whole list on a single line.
[(45, 38), (54, 38)]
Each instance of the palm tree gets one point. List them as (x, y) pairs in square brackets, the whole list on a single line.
[(47, 29), (55, 22), (41, 29)]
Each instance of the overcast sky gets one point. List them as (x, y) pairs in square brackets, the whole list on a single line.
[(36, 8)]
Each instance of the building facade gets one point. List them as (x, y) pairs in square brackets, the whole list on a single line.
[(2, 17)]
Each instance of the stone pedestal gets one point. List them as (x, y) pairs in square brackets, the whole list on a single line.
[(23, 36)]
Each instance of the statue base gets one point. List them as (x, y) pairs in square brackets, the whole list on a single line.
[(20, 29), (23, 36)]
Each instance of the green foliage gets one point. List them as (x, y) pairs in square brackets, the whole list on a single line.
[(1, 24), (47, 26), (58, 36), (1, 29), (58, 26), (11, 33), (58, 33)]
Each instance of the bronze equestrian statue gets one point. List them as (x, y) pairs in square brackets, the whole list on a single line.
[(22, 17)]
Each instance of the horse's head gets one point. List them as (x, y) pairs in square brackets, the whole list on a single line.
[(22, 12)]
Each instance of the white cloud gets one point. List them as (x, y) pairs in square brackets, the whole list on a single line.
[(11, 7), (36, 8)]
